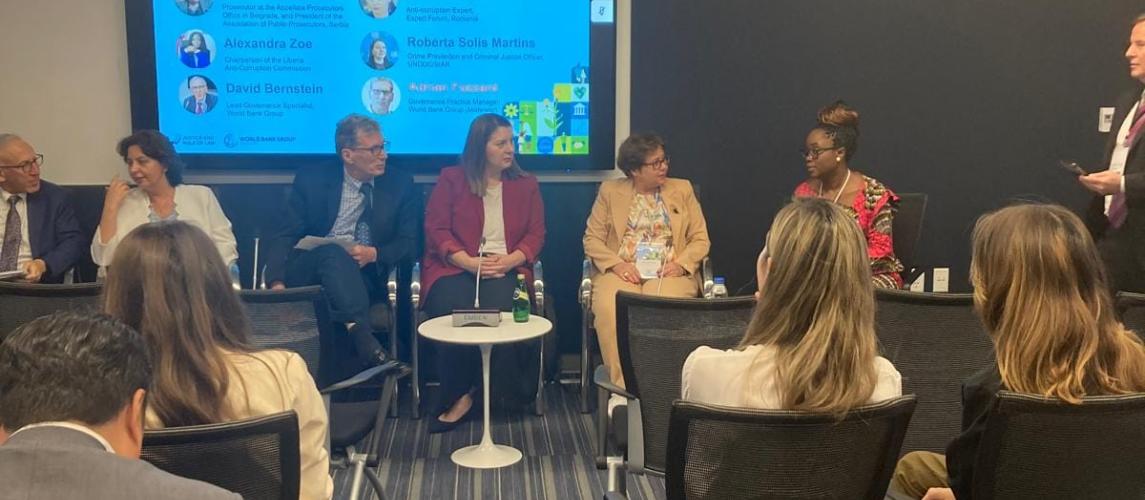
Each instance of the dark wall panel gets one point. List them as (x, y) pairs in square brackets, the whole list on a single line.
[(971, 102)]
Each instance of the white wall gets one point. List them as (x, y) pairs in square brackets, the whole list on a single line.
[(64, 88), (63, 84)]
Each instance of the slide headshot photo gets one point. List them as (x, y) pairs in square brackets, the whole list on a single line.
[(196, 49), (194, 7), (199, 94), (381, 95), (378, 9), (380, 50)]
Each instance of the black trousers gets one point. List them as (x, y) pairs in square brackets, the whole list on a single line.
[(459, 366), (1124, 260), (347, 287)]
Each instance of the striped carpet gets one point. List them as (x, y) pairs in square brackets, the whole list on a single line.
[(557, 465)]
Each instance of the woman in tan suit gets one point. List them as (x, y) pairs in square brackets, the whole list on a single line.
[(646, 234)]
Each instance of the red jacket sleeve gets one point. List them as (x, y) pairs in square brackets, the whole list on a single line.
[(439, 237)]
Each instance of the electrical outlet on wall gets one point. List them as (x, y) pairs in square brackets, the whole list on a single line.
[(941, 280), (919, 285)]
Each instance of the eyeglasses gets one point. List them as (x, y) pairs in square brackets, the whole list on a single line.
[(26, 166), (813, 153), (658, 163), (376, 150)]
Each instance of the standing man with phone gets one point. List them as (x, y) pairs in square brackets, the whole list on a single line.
[(1116, 216)]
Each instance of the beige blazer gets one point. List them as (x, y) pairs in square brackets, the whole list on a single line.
[(609, 219), (273, 381)]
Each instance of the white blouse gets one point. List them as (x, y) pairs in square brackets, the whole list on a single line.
[(195, 205), (721, 377), (494, 229)]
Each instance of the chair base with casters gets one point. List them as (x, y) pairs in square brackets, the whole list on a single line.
[(588, 331), (541, 306), (351, 422), (257, 458)]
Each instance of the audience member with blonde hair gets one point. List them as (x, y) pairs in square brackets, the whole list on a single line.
[(168, 281), (811, 342), (1042, 294)]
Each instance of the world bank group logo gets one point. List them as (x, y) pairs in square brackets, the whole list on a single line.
[(176, 139), (230, 141)]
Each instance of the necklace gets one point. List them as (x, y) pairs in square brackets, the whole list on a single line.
[(840, 193)]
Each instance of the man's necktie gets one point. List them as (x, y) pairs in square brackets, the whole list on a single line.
[(1118, 211), (12, 237), (362, 228), (198, 107)]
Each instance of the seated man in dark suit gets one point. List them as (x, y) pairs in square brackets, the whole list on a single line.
[(72, 390), (39, 234), (375, 214)]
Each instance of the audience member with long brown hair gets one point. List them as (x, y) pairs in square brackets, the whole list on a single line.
[(168, 282), (1041, 291), (811, 342)]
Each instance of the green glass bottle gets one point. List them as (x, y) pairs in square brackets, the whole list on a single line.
[(521, 300)]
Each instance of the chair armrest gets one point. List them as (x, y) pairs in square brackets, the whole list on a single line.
[(601, 379), (366, 376), (539, 287), (707, 279), (415, 286), (586, 283), (392, 288)]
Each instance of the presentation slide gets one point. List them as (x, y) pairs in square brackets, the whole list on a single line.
[(274, 76)]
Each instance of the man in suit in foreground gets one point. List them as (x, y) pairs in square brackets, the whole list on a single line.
[(375, 214), (1116, 215), (39, 233), (72, 391)]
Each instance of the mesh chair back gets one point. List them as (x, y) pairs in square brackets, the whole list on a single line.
[(256, 458), (24, 302), (1039, 448), (935, 341), (907, 227), (720, 452), (655, 337), (1131, 307), (288, 319)]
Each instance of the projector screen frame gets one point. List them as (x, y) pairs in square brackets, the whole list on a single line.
[(605, 53)]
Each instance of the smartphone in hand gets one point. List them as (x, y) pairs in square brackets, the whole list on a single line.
[(1072, 167)]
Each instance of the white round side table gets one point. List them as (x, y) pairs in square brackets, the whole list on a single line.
[(485, 455)]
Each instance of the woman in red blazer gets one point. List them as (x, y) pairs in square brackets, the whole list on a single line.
[(485, 198)]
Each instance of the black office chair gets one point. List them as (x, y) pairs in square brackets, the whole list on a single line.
[(383, 312), (935, 341), (542, 305), (24, 302), (720, 452), (297, 319), (1131, 309), (256, 458), (588, 344), (1035, 448), (906, 231), (655, 337)]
